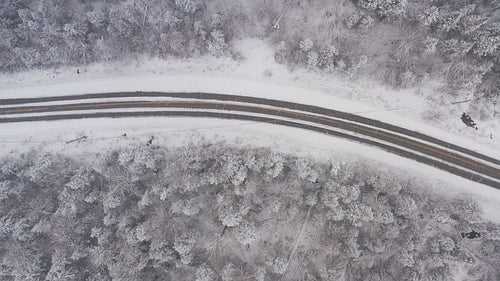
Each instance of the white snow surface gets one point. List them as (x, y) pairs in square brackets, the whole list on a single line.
[(257, 75), (106, 134)]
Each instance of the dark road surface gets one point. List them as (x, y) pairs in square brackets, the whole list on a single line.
[(330, 121)]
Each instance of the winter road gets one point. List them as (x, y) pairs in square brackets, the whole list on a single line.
[(407, 143)]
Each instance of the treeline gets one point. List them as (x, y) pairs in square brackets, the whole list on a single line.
[(209, 211), (37, 34), (400, 43)]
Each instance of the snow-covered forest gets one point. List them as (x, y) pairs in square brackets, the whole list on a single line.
[(399, 43), (212, 211)]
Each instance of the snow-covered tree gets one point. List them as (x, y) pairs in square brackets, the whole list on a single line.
[(228, 272), (327, 56), (141, 234), (359, 214), (471, 23), (305, 170), (348, 193), (312, 59), (139, 159), (430, 44), (446, 244), (204, 273), (46, 170), (391, 8), (352, 21), (5, 189), (99, 256), (189, 207), (235, 169), (366, 22), (406, 207), (173, 43), (430, 16), (385, 8), (189, 6), (351, 246), (217, 43), (82, 179), (408, 79), (368, 4), (160, 253), (281, 52), (274, 165), (468, 209), (98, 18), (58, 270), (278, 264), (487, 43), (232, 216), (406, 258), (333, 273), (246, 233), (384, 217), (260, 274), (306, 45), (184, 245)]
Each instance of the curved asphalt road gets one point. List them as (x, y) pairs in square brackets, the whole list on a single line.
[(476, 170)]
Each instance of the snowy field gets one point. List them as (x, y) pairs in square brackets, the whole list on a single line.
[(256, 75)]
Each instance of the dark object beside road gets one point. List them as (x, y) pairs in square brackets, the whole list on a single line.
[(470, 235), (468, 120)]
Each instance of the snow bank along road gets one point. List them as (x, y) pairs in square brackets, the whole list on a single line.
[(407, 143)]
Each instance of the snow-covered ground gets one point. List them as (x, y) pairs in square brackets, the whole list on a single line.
[(103, 134), (256, 75)]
